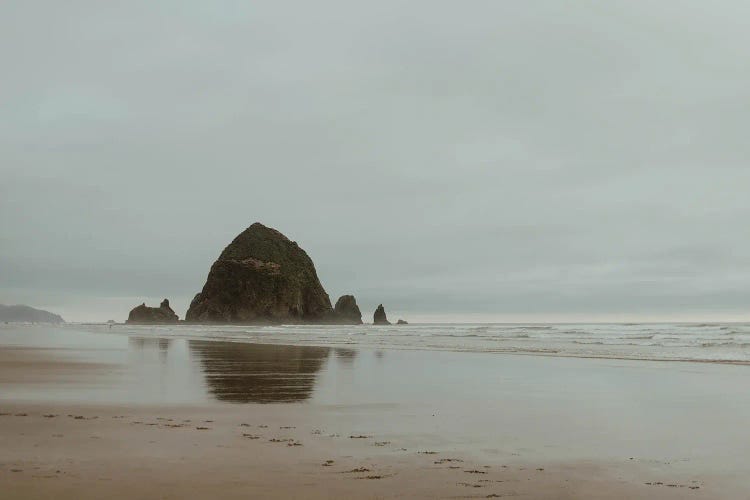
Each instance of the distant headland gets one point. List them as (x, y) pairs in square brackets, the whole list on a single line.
[(261, 277), (26, 314)]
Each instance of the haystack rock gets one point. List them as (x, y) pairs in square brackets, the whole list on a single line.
[(145, 314), (347, 311), (379, 317), (262, 277)]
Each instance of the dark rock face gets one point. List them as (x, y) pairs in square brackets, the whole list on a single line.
[(26, 314), (402, 322), (347, 311), (261, 277), (196, 300), (379, 317), (145, 314)]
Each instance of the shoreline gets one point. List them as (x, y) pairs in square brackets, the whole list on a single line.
[(354, 345), (712, 343)]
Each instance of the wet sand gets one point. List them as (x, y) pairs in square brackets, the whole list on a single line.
[(88, 417), (275, 452)]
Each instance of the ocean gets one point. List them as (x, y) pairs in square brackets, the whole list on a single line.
[(706, 342)]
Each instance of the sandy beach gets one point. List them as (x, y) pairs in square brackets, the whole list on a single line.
[(88, 415)]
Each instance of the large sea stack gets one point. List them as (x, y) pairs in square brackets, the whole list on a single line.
[(262, 277), (145, 314)]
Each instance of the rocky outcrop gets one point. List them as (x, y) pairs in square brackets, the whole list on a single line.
[(379, 318), (145, 314), (347, 311), (402, 322), (262, 277)]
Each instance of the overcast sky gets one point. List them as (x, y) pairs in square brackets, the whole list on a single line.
[(494, 160)]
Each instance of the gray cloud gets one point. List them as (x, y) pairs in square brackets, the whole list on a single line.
[(510, 159)]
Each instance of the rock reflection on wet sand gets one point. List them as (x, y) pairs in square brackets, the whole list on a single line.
[(143, 344), (345, 356), (255, 373)]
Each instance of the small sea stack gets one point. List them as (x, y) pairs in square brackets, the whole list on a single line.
[(347, 311), (143, 314), (379, 318)]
